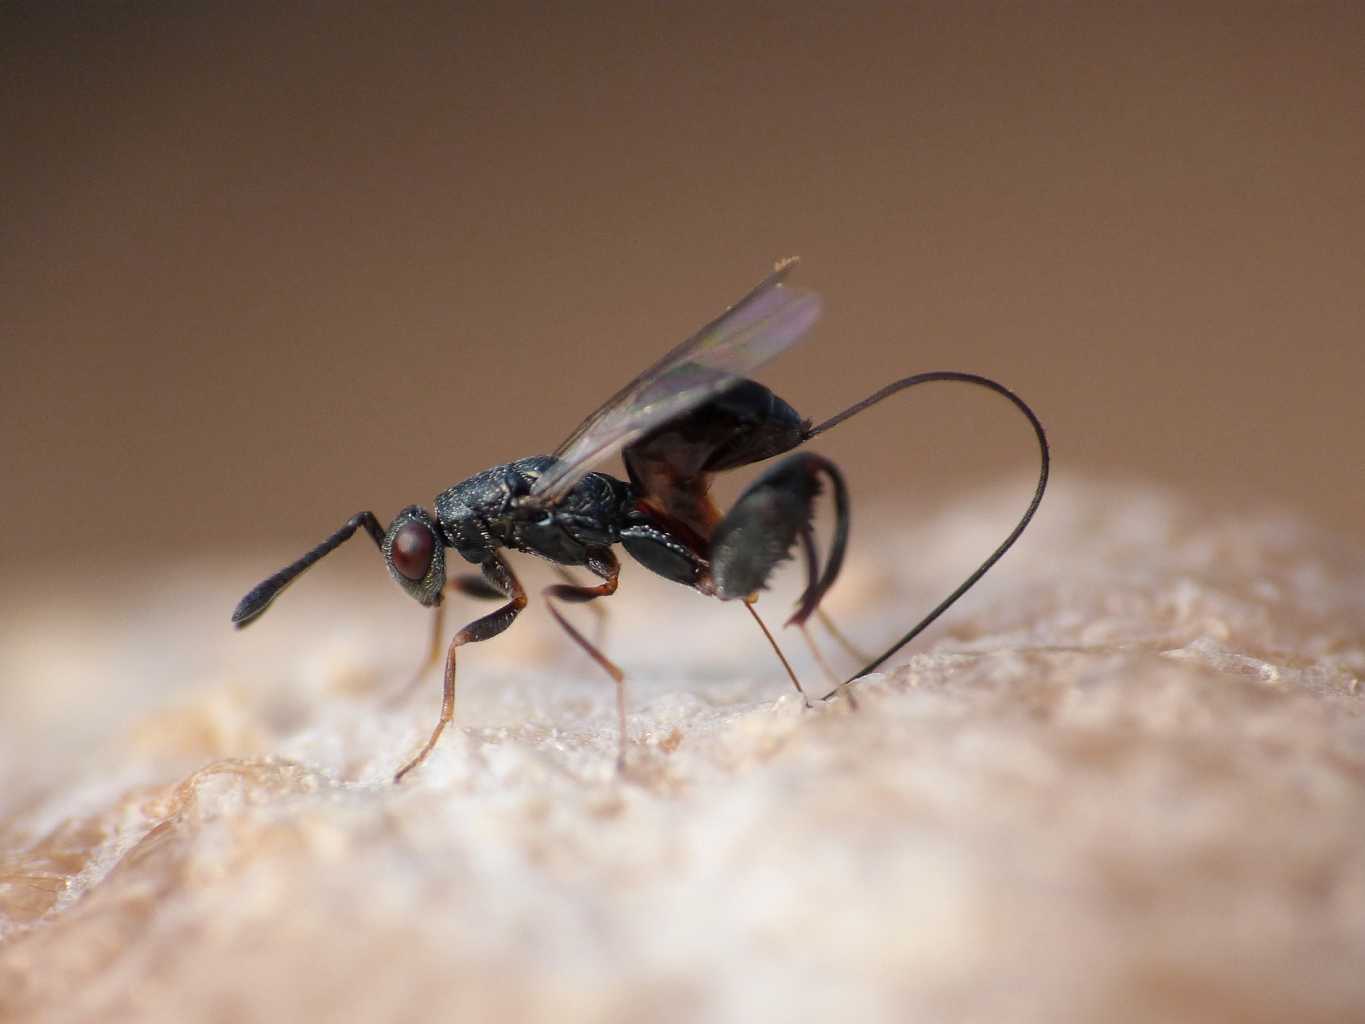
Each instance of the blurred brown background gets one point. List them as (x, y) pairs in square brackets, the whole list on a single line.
[(261, 270)]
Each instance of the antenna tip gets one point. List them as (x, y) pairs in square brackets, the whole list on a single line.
[(249, 607)]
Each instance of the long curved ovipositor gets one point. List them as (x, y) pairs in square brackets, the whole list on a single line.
[(1045, 455)]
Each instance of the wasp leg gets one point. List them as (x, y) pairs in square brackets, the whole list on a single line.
[(791, 673), (470, 584), (499, 575), (844, 642), (599, 632), (819, 656), (812, 560), (603, 564), (771, 517)]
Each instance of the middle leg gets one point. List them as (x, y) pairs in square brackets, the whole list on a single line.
[(602, 564), (599, 632)]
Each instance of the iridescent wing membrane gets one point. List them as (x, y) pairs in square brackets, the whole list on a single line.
[(766, 322)]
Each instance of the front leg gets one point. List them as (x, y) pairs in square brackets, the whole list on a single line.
[(471, 584), (499, 574)]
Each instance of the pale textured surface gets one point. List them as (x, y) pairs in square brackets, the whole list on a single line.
[(1124, 781)]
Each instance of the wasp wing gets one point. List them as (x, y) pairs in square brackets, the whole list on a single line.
[(766, 322)]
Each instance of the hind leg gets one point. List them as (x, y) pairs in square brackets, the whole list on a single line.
[(770, 518), (768, 521)]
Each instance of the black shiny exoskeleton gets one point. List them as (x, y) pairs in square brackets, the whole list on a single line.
[(688, 417)]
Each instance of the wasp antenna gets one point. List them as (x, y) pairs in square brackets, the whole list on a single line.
[(984, 567), (260, 596)]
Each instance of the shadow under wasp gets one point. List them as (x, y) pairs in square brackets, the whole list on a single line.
[(689, 416)]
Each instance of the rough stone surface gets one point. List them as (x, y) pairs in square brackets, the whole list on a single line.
[(1125, 780)]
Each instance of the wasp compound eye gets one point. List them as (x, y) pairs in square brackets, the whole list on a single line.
[(412, 549)]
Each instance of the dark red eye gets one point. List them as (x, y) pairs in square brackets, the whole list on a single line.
[(412, 549)]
